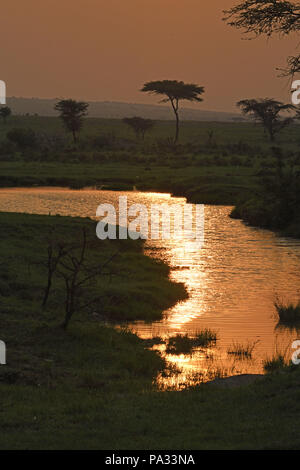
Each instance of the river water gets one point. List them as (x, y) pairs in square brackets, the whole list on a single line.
[(232, 280)]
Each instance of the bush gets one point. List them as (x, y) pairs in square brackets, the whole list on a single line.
[(287, 313), (275, 364), (23, 138), (183, 344)]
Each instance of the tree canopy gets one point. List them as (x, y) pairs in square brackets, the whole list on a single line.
[(267, 112), (139, 125), (24, 139), (268, 17), (72, 113), (5, 112)]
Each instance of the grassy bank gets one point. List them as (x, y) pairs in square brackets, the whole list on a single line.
[(209, 185), (134, 288)]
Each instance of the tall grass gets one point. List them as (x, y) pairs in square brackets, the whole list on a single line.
[(184, 344), (205, 338), (242, 350), (287, 313), (279, 361), (276, 363)]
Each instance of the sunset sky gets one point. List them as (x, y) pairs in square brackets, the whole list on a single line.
[(105, 50)]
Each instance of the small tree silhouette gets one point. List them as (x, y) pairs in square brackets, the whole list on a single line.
[(5, 112), (267, 112), (72, 113), (139, 125), (174, 92)]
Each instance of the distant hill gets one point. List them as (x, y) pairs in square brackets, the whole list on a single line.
[(118, 110)]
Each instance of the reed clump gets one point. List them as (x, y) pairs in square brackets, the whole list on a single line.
[(184, 344), (287, 313), (242, 350)]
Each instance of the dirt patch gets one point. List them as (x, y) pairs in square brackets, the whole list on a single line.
[(236, 380)]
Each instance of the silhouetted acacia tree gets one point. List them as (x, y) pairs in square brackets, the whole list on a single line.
[(5, 112), (139, 125), (72, 114), (267, 112), (174, 92), (268, 17)]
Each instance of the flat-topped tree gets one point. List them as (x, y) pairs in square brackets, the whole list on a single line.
[(268, 17), (72, 113), (139, 125), (267, 112), (174, 92)]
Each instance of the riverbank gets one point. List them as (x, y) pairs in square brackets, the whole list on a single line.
[(241, 187), (205, 184)]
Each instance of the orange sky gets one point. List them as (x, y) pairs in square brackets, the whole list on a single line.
[(107, 49)]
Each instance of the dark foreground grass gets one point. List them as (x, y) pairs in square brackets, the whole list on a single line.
[(92, 387), (261, 416), (276, 363)]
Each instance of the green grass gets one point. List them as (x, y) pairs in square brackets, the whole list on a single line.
[(225, 170), (191, 131), (260, 416), (220, 172), (220, 185)]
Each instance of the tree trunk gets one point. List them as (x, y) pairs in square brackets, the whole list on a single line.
[(177, 127), (47, 291), (175, 109), (66, 321)]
